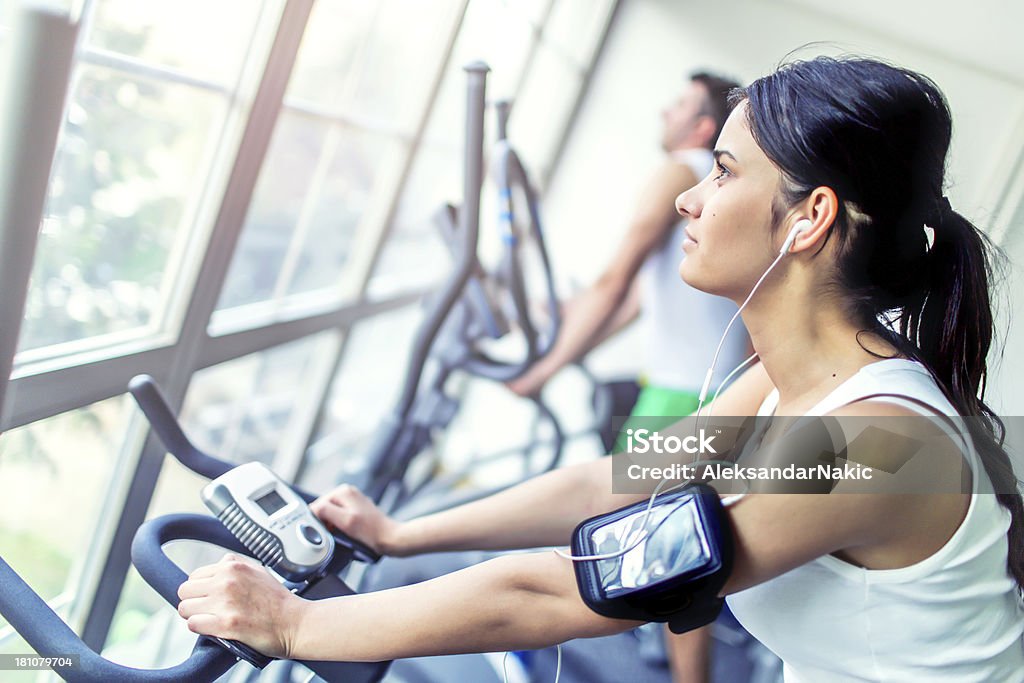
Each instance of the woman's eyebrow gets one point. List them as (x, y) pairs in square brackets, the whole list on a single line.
[(719, 153)]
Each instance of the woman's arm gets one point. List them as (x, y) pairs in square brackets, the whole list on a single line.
[(529, 601), (540, 511), (522, 601), (519, 601), (514, 602)]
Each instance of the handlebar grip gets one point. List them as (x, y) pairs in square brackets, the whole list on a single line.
[(165, 577), (156, 409), (360, 550), (48, 635)]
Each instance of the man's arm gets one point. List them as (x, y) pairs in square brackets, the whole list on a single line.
[(624, 315), (592, 310), (689, 654)]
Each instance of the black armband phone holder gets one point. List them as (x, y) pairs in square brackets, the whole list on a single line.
[(674, 574)]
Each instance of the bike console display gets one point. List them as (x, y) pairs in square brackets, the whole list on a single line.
[(271, 520)]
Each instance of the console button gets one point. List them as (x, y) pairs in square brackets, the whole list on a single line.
[(311, 534)]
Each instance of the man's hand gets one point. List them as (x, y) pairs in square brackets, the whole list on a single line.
[(529, 383), (241, 601)]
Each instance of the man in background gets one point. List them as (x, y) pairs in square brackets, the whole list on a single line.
[(681, 326)]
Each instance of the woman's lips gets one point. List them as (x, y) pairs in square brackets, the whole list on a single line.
[(688, 241)]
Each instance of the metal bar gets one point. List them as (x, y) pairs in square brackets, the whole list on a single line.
[(217, 350), (37, 397), (40, 395), (137, 67), (38, 60), (396, 440)]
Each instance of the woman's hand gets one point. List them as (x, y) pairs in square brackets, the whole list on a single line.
[(240, 601), (348, 510)]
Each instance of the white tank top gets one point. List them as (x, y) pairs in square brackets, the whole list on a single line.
[(954, 616), (681, 325)]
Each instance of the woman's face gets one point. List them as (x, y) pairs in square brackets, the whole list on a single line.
[(729, 238)]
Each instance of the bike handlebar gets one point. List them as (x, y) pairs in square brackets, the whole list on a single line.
[(156, 409), (166, 577), (48, 635)]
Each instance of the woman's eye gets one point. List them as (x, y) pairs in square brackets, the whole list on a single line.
[(722, 172)]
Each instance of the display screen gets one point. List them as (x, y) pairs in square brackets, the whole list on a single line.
[(674, 544), (270, 502)]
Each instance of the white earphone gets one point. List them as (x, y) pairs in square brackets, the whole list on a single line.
[(802, 225)]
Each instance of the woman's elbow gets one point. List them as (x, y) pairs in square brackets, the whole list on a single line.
[(545, 584)]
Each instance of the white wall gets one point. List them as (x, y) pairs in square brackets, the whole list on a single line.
[(972, 53)]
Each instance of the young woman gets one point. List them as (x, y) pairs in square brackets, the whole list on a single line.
[(863, 586)]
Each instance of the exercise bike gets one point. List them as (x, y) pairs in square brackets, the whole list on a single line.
[(235, 531)]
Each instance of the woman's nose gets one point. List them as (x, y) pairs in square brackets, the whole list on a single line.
[(688, 203)]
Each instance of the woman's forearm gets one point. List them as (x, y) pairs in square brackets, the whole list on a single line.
[(539, 512), (513, 602)]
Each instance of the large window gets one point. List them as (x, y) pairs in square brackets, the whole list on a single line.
[(56, 475), (240, 205), (359, 89), (149, 118)]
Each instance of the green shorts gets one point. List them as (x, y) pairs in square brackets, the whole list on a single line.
[(657, 402)]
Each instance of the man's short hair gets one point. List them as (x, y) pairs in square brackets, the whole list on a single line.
[(717, 104)]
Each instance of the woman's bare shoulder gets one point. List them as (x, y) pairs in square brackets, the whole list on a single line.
[(744, 396)]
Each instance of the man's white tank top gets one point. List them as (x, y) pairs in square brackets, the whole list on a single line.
[(954, 616), (681, 325)]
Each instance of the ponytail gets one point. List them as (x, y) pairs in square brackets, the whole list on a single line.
[(952, 331), (953, 328)]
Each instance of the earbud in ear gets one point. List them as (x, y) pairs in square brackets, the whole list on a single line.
[(802, 225)]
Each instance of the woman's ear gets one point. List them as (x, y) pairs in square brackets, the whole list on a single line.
[(820, 208)]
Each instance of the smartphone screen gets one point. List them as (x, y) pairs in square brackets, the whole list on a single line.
[(674, 543)]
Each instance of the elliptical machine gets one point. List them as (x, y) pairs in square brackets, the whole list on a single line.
[(472, 307)]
